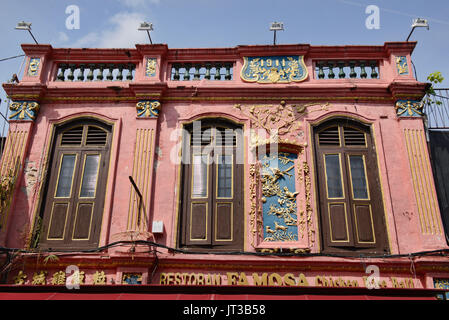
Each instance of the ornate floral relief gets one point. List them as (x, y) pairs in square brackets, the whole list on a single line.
[(275, 69), (24, 110), (282, 123), (407, 108), (150, 70), (33, 68), (279, 197), (401, 65), (148, 109)]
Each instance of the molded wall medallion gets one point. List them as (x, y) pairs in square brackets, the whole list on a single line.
[(402, 65), (274, 69), (407, 108), (148, 109), (33, 67), (24, 110), (150, 67)]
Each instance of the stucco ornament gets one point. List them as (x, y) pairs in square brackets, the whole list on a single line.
[(407, 108), (150, 70), (274, 69), (24, 110), (148, 109)]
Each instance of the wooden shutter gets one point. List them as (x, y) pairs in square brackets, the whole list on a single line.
[(212, 208), (351, 209), (76, 185)]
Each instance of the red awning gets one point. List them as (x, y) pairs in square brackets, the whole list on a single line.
[(158, 292)]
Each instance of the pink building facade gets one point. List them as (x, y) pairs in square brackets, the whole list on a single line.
[(288, 167)]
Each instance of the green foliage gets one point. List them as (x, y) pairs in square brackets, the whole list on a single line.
[(434, 78)]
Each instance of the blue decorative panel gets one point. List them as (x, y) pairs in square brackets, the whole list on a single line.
[(150, 67), (402, 65), (23, 110), (148, 109), (132, 278), (442, 284), (274, 69), (33, 67), (407, 108), (279, 197)]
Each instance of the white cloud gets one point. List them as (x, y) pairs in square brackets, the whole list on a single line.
[(122, 33), (63, 37)]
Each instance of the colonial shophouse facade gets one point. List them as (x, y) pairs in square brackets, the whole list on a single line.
[(285, 170)]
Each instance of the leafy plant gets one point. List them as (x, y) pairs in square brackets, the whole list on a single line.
[(434, 78)]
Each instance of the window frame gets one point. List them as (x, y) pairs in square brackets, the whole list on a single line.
[(82, 150), (352, 246), (212, 244)]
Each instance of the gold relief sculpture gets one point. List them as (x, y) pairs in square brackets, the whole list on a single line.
[(309, 211), (276, 69), (278, 121), (24, 110), (151, 67), (148, 109), (408, 108), (401, 65), (254, 213), (285, 209), (33, 68)]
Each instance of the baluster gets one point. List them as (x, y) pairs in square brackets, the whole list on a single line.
[(186, 76), (331, 74), (196, 75), (208, 66), (119, 76), (363, 73), (100, 72), (90, 74), (217, 71), (176, 66), (228, 75), (62, 69), (81, 73), (320, 70), (374, 73), (131, 67), (341, 74), (352, 74), (71, 75), (110, 77)]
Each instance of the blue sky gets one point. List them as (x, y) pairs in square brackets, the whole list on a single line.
[(226, 23)]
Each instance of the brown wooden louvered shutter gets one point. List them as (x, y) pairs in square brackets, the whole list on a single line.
[(351, 209), (75, 191), (212, 206)]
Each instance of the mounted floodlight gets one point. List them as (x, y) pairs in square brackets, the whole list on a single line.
[(146, 26), (418, 23), (276, 26), (25, 26)]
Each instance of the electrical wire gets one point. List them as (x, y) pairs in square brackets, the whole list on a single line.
[(9, 58), (437, 252)]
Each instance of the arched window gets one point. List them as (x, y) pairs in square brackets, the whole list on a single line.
[(212, 190), (73, 207), (350, 199)]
